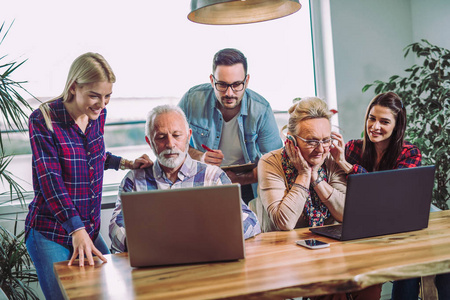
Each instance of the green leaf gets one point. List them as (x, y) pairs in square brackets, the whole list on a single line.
[(378, 89), (438, 139), (14, 110), (406, 52), (403, 82), (393, 77), (441, 119), (366, 87), (432, 65), (16, 268)]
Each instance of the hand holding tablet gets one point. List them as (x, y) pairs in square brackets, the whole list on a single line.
[(238, 169)]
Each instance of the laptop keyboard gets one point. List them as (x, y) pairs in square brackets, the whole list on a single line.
[(332, 231)]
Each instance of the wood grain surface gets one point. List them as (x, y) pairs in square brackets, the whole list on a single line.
[(274, 267)]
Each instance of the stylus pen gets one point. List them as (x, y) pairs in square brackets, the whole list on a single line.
[(207, 148)]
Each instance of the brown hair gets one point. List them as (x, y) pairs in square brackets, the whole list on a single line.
[(395, 104), (229, 57)]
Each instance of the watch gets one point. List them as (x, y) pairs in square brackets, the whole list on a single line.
[(317, 181), (122, 164)]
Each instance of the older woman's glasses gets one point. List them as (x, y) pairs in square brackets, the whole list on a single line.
[(235, 86), (315, 143)]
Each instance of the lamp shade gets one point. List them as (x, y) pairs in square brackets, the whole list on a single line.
[(227, 12)]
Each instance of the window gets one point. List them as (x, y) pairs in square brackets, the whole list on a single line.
[(156, 53)]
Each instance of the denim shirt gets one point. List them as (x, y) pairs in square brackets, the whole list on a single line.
[(258, 131)]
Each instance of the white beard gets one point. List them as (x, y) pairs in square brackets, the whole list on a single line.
[(174, 162), (171, 163)]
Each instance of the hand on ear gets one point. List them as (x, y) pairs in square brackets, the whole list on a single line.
[(292, 139)]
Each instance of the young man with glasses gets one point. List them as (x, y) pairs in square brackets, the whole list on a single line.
[(230, 123)]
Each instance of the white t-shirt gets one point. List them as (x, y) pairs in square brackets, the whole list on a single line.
[(230, 144)]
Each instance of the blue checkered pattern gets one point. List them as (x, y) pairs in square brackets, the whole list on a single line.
[(192, 173)]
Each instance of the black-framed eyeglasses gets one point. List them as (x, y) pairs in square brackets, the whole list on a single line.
[(235, 86), (315, 143)]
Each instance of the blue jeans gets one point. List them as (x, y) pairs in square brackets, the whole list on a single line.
[(44, 253), (408, 289), (442, 283)]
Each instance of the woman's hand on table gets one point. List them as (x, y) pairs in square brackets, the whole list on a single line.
[(83, 245)]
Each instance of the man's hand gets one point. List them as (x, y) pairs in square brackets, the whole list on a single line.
[(213, 157)]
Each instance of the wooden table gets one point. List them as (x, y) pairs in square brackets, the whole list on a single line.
[(275, 267)]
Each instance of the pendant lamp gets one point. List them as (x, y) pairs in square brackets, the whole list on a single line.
[(227, 12)]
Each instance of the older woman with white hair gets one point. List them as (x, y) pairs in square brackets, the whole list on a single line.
[(301, 185)]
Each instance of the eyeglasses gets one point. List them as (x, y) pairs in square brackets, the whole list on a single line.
[(235, 86), (315, 143)]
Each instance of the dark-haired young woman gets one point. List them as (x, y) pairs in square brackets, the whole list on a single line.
[(384, 148)]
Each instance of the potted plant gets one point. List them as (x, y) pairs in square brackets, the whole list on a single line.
[(12, 108), (16, 268), (425, 90)]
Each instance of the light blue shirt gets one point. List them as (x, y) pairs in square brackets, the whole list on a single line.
[(192, 173), (258, 130)]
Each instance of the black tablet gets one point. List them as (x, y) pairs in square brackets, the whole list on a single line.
[(244, 168)]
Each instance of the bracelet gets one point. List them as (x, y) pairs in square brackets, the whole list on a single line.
[(301, 186)]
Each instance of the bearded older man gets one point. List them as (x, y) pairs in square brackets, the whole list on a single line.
[(168, 135)]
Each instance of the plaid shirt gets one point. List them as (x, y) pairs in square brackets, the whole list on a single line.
[(410, 156), (192, 173), (68, 170)]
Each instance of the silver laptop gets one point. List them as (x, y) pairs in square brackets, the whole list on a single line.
[(181, 226), (384, 202)]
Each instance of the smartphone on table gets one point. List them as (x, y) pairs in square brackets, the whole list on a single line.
[(313, 244)]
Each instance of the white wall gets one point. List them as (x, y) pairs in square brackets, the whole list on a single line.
[(431, 21), (368, 40)]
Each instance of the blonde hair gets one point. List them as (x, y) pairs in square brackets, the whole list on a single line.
[(86, 68), (305, 109)]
